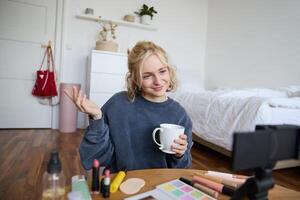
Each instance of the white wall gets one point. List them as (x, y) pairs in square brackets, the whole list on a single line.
[(181, 32), (252, 43)]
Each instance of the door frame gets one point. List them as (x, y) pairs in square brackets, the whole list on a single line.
[(60, 21)]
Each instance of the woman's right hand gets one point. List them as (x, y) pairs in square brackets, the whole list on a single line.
[(83, 104)]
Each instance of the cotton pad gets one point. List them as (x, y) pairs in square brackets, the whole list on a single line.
[(132, 185)]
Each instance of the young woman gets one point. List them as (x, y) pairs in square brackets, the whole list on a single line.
[(119, 134)]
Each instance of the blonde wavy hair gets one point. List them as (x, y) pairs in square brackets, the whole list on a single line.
[(136, 57)]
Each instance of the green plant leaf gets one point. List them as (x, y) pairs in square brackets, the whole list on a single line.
[(145, 7), (146, 10)]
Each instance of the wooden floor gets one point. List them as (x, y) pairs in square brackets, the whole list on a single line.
[(24, 155)]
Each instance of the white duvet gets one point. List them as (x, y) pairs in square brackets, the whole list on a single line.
[(216, 115)]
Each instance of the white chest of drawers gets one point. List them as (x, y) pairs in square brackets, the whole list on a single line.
[(105, 75)]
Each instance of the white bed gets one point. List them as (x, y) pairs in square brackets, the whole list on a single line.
[(216, 115)]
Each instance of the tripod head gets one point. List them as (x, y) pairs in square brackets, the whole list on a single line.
[(259, 151)]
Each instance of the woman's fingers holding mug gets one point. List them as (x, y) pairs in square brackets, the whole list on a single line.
[(183, 136), (182, 140), (178, 149), (180, 145)]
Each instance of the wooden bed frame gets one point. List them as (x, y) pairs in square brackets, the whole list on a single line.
[(279, 165)]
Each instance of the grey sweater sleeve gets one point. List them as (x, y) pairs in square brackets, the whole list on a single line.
[(185, 160), (96, 143)]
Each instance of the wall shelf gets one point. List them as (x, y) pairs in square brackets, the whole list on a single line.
[(118, 22)]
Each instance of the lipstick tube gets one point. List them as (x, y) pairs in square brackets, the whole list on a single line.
[(95, 177)]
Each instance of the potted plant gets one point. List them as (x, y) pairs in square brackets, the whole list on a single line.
[(146, 13)]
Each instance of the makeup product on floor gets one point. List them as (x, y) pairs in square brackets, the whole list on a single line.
[(202, 188), (213, 185), (95, 177), (106, 184), (224, 181), (117, 181)]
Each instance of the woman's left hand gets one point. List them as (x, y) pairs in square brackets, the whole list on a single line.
[(180, 145)]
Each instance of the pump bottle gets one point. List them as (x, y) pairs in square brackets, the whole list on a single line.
[(53, 180)]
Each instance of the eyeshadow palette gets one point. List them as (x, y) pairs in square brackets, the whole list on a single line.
[(174, 189), (177, 189)]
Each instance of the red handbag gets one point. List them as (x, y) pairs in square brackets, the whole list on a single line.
[(45, 85)]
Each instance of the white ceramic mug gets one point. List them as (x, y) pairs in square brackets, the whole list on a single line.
[(167, 134)]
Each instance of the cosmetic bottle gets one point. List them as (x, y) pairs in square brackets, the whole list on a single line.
[(53, 180), (115, 184), (106, 184), (102, 178)]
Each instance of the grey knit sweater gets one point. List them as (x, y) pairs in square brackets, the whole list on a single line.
[(122, 138)]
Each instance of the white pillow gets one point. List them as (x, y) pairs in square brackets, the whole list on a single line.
[(292, 90), (292, 103), (295, 94)]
